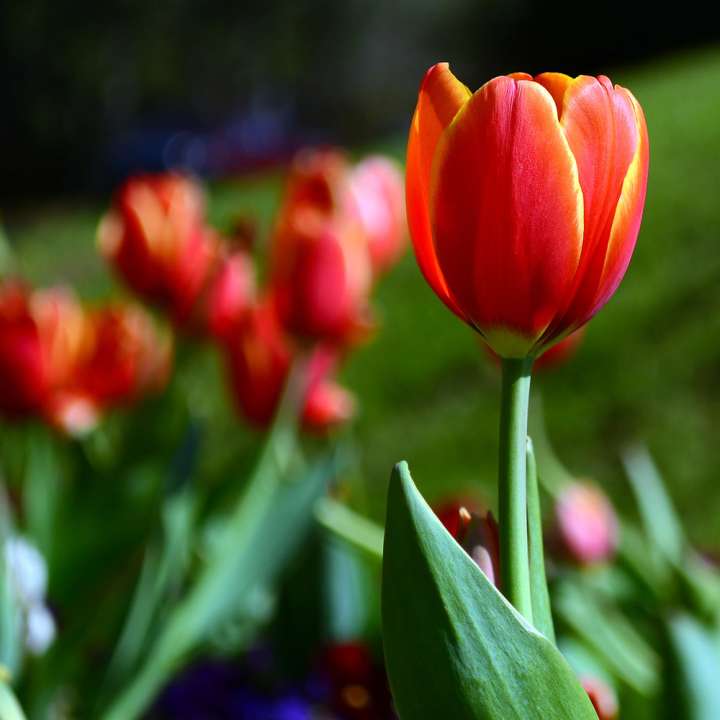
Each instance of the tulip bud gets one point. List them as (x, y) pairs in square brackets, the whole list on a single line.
[(586, 525), (524, 200), (376, 189), (156, 238), (323, 286), (230, 295), (327, 406), (602, 696), (478, 534)]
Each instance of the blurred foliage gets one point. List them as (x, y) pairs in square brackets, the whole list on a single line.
[(649, 367)]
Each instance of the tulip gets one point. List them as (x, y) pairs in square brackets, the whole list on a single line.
[(155, 236), (43, 335), (126, 358), (602, 696), (586, 524), (230, 295), (376, 191), (524, 200), (259, 360)]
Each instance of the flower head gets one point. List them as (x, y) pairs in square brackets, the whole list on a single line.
[(525, 199)]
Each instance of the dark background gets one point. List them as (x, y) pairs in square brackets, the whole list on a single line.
[(95, 90)]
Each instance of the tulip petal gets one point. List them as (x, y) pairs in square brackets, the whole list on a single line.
[(628, 215), (600, 125), (507, 212), (441, 96), (556, 84)]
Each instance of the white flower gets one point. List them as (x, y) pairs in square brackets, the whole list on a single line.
[(27, 570), (39, 629)]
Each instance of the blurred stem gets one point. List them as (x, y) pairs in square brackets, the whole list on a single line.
[(222, 579), (512, 489), (542, 614), (354, 529)]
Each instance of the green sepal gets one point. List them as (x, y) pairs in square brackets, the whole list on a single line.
[(455, 648)]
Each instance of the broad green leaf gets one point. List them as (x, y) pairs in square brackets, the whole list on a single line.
[(455, 648), (695, 676)]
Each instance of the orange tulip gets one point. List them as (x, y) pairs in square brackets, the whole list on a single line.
[(524, 200)]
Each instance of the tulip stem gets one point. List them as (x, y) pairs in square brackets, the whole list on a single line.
[(512, 486)]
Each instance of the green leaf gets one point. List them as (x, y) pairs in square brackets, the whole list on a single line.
[(9, 706), (254, 547), (696, 660), (455, 648), (542, 614), (610, 635), (660, 520)]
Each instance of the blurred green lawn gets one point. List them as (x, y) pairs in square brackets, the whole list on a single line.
[(649, 368)]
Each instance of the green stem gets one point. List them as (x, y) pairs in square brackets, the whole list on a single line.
[(512, 484), (542, 614)]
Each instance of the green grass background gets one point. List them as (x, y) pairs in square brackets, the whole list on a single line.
[(649, 368)]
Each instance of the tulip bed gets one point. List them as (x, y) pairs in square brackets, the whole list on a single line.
[(645, 374)]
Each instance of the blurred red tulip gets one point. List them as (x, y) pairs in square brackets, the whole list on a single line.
[(155, 236), (358, 684), (259, 359), (586, 524), (377, 192), (602, 696), (43, 335), (127, 357), (321, 271), (525, 200), (560, 352), (67, 365), (324, 296), (230, 295)]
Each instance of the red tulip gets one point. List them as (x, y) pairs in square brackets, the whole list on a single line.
[(602, 696), (525, 199), (586, 524), (477, 531), (42, 337), (259, 359), (156, 238), (376, 190), (230, 295)]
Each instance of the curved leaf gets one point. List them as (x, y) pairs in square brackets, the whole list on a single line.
[(455, 648)]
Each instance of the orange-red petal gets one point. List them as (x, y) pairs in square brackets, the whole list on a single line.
[(441, 97), (628, 215), (507, 212), (600, 124)]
